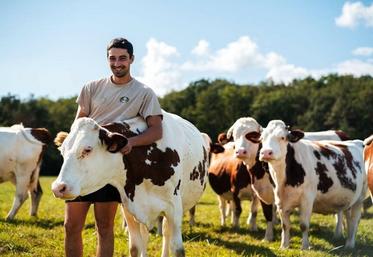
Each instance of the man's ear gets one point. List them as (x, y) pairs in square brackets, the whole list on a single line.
[(132, 58), (113, 141)]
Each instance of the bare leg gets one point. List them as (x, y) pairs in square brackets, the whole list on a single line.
[(75, 214), (105, 215)]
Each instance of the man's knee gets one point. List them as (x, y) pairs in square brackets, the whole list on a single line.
[(105, 228), (72, 228)]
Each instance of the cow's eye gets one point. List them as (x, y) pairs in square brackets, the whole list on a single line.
[(87, 150), (282, 138)]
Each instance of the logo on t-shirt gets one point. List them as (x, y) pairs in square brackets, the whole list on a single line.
[(124, 99)]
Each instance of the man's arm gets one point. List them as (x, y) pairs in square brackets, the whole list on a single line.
[(80, 113), (150, 135)]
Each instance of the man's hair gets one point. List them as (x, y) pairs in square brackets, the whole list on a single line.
[(120, 42)]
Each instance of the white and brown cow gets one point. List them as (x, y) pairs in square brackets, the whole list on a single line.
[(245, 132), (21, 152), (230, 180), (368, 160), (164, 178), (315, 176)]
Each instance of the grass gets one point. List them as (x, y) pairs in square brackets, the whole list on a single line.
[(43, 236)]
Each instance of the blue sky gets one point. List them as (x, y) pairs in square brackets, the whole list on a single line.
[(51, 48)]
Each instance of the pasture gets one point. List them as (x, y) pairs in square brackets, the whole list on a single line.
[(43, 236)]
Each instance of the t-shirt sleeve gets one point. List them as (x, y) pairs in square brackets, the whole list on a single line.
[(150, 105), (84, 99)]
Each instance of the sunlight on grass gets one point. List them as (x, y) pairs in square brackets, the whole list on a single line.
[(43, 236)]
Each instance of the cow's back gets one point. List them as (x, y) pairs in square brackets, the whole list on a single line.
[(347, 185), (191, 173), (17, 147)]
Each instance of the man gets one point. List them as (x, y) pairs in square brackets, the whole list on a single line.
[(116, 98)]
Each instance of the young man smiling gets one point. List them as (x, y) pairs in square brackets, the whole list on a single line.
[(115, 98)]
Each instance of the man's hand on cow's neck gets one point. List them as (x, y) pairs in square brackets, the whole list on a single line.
[(127, 148)]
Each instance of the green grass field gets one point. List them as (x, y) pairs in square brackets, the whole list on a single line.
[(43, 236)]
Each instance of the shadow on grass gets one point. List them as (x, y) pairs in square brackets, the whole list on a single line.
[(241, 248), (10, 247), (42, 223)]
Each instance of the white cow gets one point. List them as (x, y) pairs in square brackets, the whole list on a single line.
[(315, 176), (164, 178), (21, 152)]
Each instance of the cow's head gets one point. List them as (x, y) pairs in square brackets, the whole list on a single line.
[(89, 157), (275, 139), (245, 133)]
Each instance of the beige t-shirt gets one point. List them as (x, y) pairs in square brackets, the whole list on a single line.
[(106, 102)]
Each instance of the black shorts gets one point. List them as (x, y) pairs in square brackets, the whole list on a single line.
[(106, 194)]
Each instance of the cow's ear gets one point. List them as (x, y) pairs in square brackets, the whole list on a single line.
[(113, 141), (216, 148), (223, 139), (295, 135)]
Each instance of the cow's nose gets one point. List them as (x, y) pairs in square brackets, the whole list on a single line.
[(59, 189), (241, 152), (266, 154)]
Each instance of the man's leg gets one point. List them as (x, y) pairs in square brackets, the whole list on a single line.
[(105, 215), (75, 214)]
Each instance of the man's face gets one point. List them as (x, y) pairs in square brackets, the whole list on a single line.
[(119, 61)]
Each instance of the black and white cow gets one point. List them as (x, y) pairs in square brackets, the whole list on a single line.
[(315, 176), (164, 178)]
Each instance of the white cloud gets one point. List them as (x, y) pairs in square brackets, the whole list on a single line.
[(158, 70), (355, 13), (164, 71), (237, 55), (363, 51), (286, 73), (202, 48), (355, 67)]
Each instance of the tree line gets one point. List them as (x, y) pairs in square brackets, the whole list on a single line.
[(330, 102)]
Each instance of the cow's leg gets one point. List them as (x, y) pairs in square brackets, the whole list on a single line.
[(236, 211), (339, 225), (192, 212), (222, 208), (251, 219), (268, 214), (35, 193), (136, 245), (174, 220), (166, 238), (352, 224), (159, 225), (20, 196), (285, 224), (305, 210), (145, 237)]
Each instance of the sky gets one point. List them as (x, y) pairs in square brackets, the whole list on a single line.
[(52, 48)]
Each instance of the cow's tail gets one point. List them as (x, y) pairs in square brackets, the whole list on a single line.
[(35, 190)]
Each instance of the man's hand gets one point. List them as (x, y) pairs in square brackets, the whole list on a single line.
[(127, 148)]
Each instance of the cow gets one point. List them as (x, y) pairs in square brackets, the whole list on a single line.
[(245, 132), (230, 180), (315, 176), (21, 153), (164, 178), (368, 160)]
